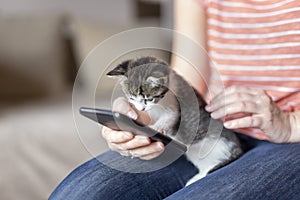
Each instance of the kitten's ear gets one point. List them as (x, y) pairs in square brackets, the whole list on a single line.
[(120, 70), (154, 81)]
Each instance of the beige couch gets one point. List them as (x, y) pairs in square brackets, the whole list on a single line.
[(39, 141)]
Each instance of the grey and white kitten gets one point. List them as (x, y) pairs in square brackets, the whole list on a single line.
[(178, 110)]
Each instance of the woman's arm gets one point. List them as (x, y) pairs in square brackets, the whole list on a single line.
[(189, 20)]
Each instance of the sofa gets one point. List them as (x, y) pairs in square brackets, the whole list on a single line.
[(40, 139), (39, 58)]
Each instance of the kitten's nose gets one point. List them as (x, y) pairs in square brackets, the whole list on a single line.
[(140, 107)]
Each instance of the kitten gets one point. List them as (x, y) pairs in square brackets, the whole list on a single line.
[(178, 111)]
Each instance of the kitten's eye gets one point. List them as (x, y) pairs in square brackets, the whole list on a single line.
[(131, 98), (159, 96), (151, 99)]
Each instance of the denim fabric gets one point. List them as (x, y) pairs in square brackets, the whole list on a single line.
[(265, 171)]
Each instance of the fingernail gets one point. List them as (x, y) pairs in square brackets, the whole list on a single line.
[(213, 115), (159, 146), (132, 114), (208, 107), (228, 124)]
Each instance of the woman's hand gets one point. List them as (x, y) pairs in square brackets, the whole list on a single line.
[(126, 143), (255, 109)]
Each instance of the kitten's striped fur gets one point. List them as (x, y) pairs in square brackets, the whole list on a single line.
[(177, 109)]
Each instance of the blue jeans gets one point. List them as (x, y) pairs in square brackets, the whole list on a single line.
[(265, 171)]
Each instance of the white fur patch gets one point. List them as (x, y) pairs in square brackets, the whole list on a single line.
[(138, 102), (163, 118), (208, 153)]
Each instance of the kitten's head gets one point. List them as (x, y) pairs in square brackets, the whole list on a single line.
[(146, 80)]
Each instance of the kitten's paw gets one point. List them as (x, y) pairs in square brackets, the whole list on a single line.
[(195, 178)]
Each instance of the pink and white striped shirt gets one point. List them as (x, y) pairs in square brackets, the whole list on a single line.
[(256, 43)]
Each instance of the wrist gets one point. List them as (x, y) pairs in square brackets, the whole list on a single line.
[(280, 128), (294, 120)]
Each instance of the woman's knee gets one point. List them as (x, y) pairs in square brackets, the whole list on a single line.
[(91, 179), (82, 181)]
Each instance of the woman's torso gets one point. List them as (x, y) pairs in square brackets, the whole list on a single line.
[(256, 43)]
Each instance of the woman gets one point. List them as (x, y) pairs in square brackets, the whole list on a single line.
[(253, 45)]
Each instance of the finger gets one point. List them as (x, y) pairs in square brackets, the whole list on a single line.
[(149, 151), (114, 147), (124, 153), (247, 107), (231, 99), (121, 105), (151, 156), (245, 122), (137, 142), (112, 136), (222, 96), (237, 88)]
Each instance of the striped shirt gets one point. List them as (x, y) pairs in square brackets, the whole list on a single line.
[(256, 43)]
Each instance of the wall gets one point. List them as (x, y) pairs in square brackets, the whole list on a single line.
[(112, 11)]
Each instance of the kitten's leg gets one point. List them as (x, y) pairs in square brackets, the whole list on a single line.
[(164, 118), (198, 176), (203, 172), (208, 153)]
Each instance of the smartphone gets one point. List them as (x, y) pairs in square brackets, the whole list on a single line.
[(120, 122)]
